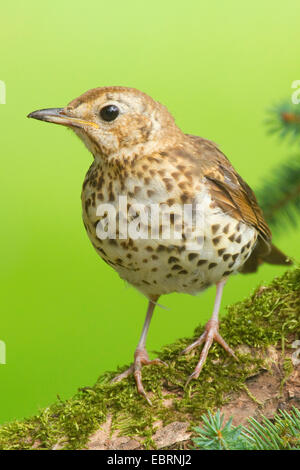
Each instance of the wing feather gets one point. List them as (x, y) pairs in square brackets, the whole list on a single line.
[(228, 190)]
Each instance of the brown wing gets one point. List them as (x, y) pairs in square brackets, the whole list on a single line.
[(233, 195), (229, 191)]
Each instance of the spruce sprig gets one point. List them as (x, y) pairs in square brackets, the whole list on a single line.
[(214, 436), (279, 197), (284, 120), (280, 433)]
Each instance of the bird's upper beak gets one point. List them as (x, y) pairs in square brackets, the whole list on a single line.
[(60, 116)]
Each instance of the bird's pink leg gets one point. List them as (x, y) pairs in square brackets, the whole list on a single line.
[(210, 334), (141, 356)]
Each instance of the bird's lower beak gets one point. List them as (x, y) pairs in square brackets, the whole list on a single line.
[(60, 116)]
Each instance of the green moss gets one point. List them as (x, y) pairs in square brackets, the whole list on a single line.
[(269, 316)]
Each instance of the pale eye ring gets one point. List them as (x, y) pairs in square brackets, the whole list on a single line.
[(109, 113)]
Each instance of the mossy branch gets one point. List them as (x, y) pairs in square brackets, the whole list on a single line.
[(112, 415)]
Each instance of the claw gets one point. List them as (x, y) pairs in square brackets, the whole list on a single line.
[(210, 334), (140, 358), (196, 343), (123, 375)]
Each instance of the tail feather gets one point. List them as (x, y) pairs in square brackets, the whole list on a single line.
[(275, 256)]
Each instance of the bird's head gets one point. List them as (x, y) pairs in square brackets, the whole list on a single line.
[(115, 121)]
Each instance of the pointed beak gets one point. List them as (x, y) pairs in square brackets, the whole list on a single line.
[(60, 116)]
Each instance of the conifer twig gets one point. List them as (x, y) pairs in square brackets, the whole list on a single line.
[(279, 197), (280, 433)]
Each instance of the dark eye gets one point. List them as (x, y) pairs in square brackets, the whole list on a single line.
[(109, 113)]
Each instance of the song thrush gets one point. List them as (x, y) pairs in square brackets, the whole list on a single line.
[(140, 153)]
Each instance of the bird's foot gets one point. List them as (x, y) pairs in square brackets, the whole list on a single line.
[(141, 359), (210, 334)]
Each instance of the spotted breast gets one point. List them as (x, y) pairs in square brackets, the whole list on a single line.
[(211, 252)]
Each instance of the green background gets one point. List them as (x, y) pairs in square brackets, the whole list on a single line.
[(65, 315)]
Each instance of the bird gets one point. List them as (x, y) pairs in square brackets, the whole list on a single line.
[(141, 157)]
